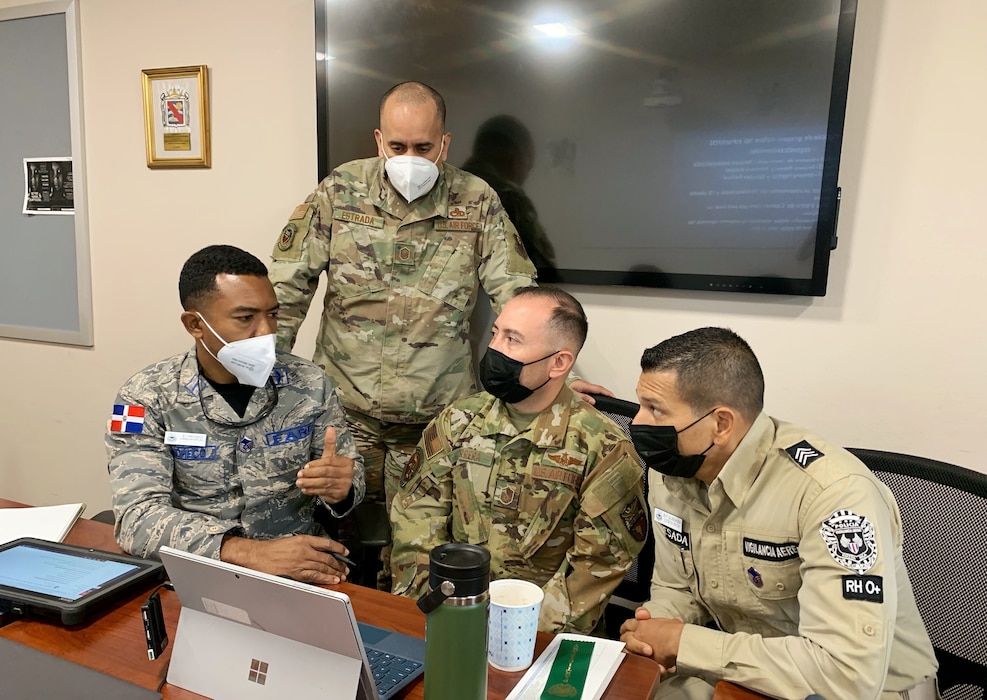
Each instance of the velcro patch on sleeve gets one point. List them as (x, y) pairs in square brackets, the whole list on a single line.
[(433, 445), (869, 588)]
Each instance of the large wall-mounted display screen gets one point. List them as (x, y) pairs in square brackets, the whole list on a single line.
[(690, 144)]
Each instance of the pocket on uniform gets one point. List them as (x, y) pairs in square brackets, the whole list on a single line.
[(769, 580), (546, 505), (450, 275), (356, 266)]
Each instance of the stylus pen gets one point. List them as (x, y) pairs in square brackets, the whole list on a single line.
[(346, 560)]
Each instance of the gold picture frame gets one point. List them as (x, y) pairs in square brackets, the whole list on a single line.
[(176, 117)]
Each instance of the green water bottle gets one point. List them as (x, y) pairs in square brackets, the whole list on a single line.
[(456, 622)]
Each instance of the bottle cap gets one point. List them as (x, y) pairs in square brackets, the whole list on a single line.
[(467, 566)]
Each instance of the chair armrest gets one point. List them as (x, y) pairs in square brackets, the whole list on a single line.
[(373, 524)]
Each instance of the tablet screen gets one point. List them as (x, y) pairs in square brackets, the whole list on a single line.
[(58, 574)]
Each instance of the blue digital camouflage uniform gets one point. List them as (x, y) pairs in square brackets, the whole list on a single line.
[(796, 553), (559, 503), (242, 481)]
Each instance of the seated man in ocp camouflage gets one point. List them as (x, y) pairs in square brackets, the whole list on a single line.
[(785, 541), (227, 450), (548, 484)]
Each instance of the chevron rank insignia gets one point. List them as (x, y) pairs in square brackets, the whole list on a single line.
[(804, 454)]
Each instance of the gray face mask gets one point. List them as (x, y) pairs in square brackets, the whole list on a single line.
[(249, 360)]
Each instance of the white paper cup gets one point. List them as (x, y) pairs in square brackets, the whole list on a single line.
[(514, 609)]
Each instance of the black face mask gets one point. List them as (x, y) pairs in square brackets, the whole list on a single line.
[(501, 376), (658, 446)]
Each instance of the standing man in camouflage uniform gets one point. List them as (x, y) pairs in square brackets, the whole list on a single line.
[(549, 485), (784, 540), (226, 450), (405, 240)]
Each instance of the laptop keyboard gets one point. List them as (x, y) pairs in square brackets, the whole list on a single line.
[(390, 670)]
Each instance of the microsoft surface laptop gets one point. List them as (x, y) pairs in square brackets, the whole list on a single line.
[(247, 634)]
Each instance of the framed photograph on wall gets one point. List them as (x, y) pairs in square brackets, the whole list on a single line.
[(176, 117)]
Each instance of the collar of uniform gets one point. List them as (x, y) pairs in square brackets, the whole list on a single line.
[(738, 474), (189, 382), (743, 466), (548, 429), (387, 199)]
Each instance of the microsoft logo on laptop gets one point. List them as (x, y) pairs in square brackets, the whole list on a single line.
[(258, 672)]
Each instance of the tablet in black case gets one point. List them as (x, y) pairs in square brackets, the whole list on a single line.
[(66, 581)]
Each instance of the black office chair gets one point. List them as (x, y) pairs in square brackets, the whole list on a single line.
[(635, 589), (944, 514)]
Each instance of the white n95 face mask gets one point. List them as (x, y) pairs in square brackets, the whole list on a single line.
[(249, 360), (412, 176)]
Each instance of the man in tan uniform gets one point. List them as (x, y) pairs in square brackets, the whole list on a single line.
[(406, 240), (549, 485), (785, 541)]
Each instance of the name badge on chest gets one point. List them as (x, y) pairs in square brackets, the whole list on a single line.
[(673, 522), (175, 437)]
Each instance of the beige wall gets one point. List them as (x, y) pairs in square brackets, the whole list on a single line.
[(892, 358)]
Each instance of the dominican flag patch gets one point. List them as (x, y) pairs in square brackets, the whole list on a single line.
[(127, 418)]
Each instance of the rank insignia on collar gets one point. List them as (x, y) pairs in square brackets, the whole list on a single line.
[(804, 454), (280, 376)]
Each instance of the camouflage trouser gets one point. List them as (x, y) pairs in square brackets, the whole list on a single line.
[(386, 449)]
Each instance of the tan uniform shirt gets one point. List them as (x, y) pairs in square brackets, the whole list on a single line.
[(403, 280), (797, 557), (559, 503)]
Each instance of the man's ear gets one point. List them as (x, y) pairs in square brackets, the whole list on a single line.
[(562, 363), (446, 140), (727, 422), (193, 324), (379, 140)]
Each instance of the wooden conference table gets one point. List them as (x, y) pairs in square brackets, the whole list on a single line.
[(114, 643)]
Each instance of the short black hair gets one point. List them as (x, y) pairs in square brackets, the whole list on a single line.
[(413, 91), (568, 318), (198, 278), (713, 366)]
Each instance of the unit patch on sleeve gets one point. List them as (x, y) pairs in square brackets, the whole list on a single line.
[(869, 588), (771, 551), (635, 519), (412, 468), (287, 236), (804, 454), (850, 540)]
